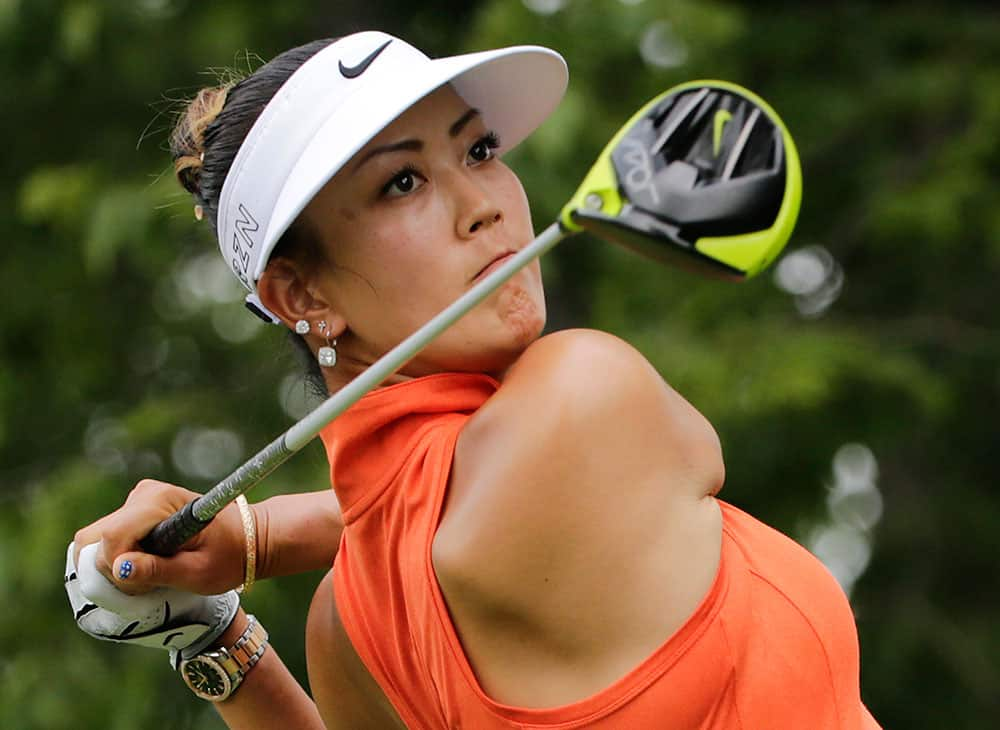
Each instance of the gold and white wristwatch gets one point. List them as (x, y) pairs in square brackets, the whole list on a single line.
[(214, 675)]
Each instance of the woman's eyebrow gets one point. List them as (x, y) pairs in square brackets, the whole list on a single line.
[(416, 145), (455, 129), (407, 144)]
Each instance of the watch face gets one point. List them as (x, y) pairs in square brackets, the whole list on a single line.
[(206, 678)]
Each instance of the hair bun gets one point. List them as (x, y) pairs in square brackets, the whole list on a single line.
[(187, 142)]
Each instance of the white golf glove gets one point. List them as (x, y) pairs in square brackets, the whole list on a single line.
[(166, 618)]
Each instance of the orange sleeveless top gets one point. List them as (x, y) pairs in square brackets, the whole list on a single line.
[(772, 645)]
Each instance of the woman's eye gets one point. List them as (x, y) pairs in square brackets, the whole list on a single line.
[(484, 148), (402, 183), (479, 152)]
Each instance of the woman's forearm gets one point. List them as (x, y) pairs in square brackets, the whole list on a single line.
[(269, 696), (297, 533)]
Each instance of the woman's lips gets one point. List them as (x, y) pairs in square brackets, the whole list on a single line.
[(493, 265)]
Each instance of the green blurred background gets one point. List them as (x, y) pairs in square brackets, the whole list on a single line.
[(855, 385)]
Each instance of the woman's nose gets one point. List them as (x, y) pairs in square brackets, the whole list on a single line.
[(486, 220), (476, 209)]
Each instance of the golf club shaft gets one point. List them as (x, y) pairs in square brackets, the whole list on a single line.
[(168, 536)]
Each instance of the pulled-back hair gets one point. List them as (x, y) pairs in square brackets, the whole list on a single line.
[(204, 143)]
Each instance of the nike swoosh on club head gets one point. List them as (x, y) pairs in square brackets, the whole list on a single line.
[(352, 72), (719, 123)]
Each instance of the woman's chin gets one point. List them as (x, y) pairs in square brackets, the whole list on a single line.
[(521, 314)]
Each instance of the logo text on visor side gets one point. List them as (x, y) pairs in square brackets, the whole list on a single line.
[(352, 72), (242, 241)]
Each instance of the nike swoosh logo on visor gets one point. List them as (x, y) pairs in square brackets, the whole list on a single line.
[(352, 72)]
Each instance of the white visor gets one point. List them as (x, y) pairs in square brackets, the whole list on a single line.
[(336, 102)]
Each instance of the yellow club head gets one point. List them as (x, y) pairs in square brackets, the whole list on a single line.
[(705, 176)]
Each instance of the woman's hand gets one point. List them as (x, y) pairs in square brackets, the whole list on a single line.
[(180, 622), (211, 562)]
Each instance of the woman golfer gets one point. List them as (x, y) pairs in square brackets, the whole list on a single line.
[(526, 528)]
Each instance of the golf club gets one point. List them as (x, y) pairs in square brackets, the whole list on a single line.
[(705, 176)]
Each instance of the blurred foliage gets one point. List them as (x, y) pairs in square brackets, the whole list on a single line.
[(125, 352)]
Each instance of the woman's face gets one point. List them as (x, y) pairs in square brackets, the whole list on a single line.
[(409, 225)]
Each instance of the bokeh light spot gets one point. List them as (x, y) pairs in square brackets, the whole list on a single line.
[(235, 324), (206, 453), (295, 397), (660, 46), (844, 551), (104, 443), (813, 277), (544, 7), (854, 507)]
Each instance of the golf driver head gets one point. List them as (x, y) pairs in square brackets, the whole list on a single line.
[(705, 177)]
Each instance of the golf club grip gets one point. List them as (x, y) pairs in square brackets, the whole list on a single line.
[(168, 536)]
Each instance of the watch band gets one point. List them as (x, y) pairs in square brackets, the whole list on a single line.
[(246, 652), (215, 675)]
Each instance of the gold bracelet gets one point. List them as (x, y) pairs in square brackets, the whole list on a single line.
[(250, 532)]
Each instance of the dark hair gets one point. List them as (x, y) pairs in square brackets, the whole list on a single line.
[(204, 143)]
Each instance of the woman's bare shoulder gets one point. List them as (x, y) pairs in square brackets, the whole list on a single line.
[(578, 369), (583, 390), (566, 360), (582, 424)]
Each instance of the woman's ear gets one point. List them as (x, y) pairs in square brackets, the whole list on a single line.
[(284, 289)]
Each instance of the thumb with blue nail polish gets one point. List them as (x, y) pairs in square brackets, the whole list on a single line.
[(124, 571), (129, 573), (137, 572)]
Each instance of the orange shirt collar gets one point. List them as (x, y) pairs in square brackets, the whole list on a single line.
[(367, 443)]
